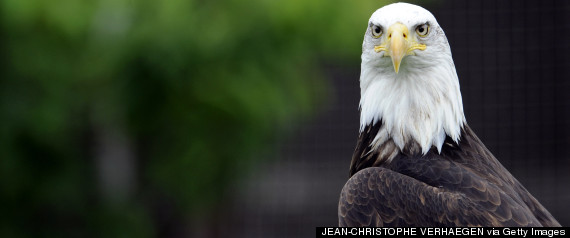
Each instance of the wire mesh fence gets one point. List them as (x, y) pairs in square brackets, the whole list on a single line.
[(512, 64)]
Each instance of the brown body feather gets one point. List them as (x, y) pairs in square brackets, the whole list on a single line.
[(464, 185)]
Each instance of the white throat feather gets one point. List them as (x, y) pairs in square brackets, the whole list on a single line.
[(422, 105)]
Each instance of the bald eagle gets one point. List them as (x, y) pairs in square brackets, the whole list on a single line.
[(417, 162)]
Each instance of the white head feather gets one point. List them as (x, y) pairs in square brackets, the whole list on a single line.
[(421, 102)]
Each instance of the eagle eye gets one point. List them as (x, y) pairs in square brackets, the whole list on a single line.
[(376, 31), (422, 30)]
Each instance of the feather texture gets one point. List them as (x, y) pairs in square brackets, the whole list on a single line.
[(463, 186)]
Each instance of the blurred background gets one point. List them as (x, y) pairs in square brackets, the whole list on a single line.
[(139, 118)]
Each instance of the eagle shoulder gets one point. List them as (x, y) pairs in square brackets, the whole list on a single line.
[(464, 185)]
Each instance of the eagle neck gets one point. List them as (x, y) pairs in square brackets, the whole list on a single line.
[(417, 106)]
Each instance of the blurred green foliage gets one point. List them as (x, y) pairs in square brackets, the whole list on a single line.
[(194, 88)]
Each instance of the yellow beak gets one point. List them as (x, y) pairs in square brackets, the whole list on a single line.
[(399, 44)]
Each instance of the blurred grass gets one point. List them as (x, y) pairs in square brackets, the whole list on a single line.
[(193, 88)]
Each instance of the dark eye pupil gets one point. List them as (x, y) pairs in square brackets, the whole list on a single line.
[(377, 30), (421, 29)]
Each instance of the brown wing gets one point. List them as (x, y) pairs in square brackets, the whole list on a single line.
[(363, 156), (463, 186), (381, 197), (473, 155)]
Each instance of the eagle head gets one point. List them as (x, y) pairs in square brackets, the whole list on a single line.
[(408, 80)]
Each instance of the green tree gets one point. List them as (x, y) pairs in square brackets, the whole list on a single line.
[(110, 107)]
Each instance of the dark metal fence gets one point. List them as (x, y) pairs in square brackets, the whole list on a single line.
[(512, 58)]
